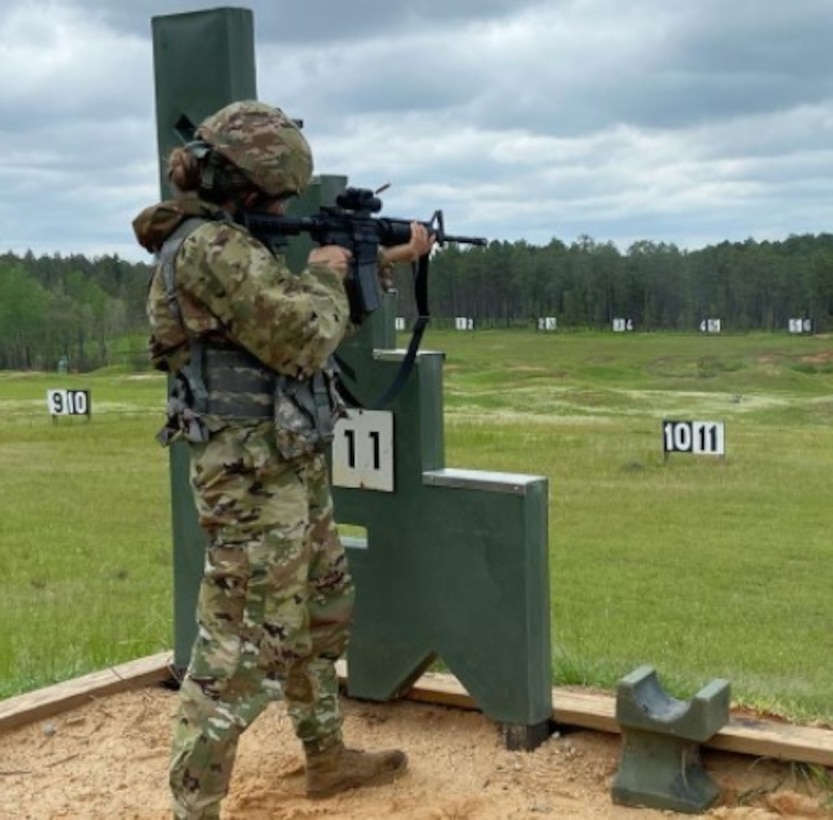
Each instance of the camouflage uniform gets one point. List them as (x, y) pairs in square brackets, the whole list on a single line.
[(276, 597), (249, 345)]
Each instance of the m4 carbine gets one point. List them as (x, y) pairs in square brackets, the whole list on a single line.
[(351, 224)]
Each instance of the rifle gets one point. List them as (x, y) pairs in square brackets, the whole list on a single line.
[(351, 224)]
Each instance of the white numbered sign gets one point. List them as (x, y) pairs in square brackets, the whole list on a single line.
[(363, 451), (800, 326), (68, 402), (698, 437)]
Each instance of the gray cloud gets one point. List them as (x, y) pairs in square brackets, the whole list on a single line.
[(317, 21), (648, 120)]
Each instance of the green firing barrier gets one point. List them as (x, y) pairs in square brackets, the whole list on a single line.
[(202, 61), (455, 561), (454, 564)]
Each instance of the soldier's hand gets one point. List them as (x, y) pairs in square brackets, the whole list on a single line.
[(336, 258), (419, 245)]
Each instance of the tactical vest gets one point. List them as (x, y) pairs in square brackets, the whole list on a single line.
[(222, 383)]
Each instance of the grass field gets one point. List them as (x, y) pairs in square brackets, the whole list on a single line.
[(85, 528), (702, 567)]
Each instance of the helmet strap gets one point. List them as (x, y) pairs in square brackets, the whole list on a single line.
[(241, 207), (208, 161)]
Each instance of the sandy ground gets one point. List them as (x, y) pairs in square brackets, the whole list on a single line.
[(108, 760)]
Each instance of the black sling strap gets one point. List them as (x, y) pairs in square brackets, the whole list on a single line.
[(420, 274)]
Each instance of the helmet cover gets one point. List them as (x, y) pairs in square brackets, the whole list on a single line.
[(263, 143)]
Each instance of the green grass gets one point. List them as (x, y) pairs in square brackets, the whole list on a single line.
[(699, 566), (86, 529)]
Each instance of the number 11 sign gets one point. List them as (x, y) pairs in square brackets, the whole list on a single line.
[(363, 451)]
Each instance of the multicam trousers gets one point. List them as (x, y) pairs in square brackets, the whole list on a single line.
[(274, 608)]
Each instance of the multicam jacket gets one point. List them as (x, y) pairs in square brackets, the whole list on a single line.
[(230, 286), (231, 291)]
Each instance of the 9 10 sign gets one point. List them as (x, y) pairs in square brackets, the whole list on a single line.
[(68, 402)]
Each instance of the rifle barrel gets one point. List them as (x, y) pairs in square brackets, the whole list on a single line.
[(466, 240)]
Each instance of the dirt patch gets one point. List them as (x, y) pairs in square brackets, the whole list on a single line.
[(109, 758), (822, 358)]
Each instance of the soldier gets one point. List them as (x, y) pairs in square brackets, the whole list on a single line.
[(249, 345)]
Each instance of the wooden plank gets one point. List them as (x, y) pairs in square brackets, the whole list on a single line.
[(743, 734), (580, 708), (771, 738), (52, 700), (585, 709)]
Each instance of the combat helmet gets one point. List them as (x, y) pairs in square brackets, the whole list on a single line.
[(263, 143)]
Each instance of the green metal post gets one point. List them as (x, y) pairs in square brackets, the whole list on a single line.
[(202, 61)]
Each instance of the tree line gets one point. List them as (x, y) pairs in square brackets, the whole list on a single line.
[(89, 313), (68, 309), (656, 286)]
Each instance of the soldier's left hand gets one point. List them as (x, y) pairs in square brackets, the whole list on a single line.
[(420, 244)]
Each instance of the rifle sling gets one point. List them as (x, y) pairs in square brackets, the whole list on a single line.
[(423, 317), (420, 269)]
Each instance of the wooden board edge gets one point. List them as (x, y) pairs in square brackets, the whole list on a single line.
[(61, 697), (596, 711)]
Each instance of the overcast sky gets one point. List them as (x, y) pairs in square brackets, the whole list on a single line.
[(685, 122)]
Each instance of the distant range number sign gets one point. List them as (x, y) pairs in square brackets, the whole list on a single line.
[(697, 437), (68, 402)]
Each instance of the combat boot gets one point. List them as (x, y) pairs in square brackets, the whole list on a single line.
[(338, 769)]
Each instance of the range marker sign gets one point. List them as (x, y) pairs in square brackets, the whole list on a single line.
[(696, 437), (68, 402)]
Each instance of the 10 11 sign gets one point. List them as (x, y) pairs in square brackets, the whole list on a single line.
[(698, 437)]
